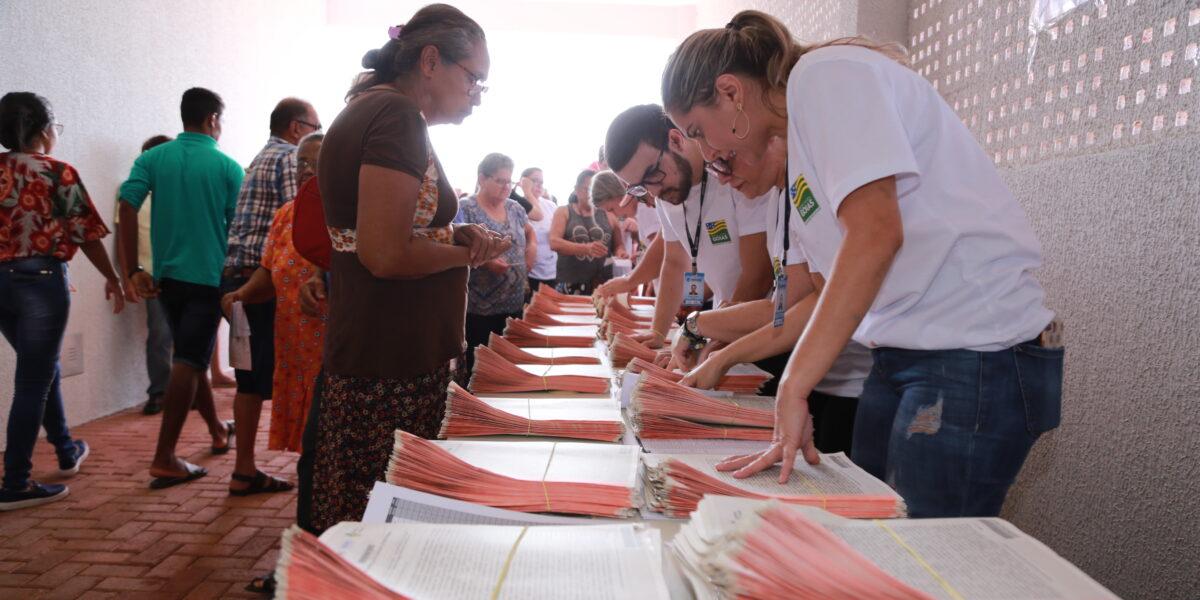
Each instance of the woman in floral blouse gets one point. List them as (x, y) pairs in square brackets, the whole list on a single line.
[(45, 216)]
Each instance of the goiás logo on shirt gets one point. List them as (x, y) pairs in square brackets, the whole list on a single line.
[(718, 232), (803, 199)]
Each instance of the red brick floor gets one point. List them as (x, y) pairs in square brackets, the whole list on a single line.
[(114, 537)]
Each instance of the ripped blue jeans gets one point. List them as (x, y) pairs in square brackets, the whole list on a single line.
[(950, 429)]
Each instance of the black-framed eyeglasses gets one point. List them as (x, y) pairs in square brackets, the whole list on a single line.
[(476, 88), (314, 126), (652, 176), (503, 182)]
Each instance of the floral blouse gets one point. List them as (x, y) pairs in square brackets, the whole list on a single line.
[(44, 208)]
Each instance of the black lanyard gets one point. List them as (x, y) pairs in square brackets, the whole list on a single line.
[(694, 243), (787, 214)]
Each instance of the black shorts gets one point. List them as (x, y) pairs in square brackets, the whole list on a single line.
[(258, 379), (193, 313)]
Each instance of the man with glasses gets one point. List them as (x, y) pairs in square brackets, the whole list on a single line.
[(270, 182), (708, 227)]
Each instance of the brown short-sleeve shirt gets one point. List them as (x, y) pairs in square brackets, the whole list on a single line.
[(384, 327)]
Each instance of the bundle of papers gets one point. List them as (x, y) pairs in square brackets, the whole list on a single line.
[(523, 334), (542, 356), (438, 561), (541, 318), (742, 548), (494, 374), (583, 418), (742, 379), (677, 482), (563, 477), (662, 409), (624, 349), (562, 298), (547, 304), (617, 309)]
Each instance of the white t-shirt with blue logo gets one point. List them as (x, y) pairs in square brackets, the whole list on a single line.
[(964, 276)]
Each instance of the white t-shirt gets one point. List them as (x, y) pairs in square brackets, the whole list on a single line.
[(546, 264), (964, 276), (647, 220), (845, 378), (724, 211)]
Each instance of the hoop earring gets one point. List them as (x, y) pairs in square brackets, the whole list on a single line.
[(735, 118)]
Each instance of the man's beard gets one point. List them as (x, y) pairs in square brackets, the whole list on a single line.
[(684, 187)]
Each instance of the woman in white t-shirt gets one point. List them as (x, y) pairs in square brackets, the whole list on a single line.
[(541, 216), (928, 258)]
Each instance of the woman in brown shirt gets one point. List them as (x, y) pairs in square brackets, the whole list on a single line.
[(397, 298)]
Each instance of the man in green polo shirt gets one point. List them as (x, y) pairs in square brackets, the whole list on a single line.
[(195, 188)]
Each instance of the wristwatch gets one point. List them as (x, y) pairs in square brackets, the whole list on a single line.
[(136, 270), (692, 332)]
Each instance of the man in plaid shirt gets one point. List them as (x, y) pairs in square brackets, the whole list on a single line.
[(269, 183)]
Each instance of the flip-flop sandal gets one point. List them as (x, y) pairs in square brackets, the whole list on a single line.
[(231, 429), (194, 472), (260, 483), (263, 584)]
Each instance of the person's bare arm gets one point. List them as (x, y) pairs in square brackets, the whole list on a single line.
[(128, 239), (646, 270), (256, 290), (531, 247), (670, 294), (98, 256)]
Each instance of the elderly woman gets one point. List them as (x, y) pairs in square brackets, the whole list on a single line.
[(298, 335), (496, 290), (584, 239), (397, 299), (46, 216)]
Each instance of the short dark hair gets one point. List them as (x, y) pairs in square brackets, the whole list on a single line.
[(288, 110), (530, 171), (23, 115), (197, 104), (494, 162), (579, 179), (157, 140), (643, 123)]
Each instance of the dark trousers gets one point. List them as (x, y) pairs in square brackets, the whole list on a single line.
[(833, 416), (304, 466), (479, 327), (158, 347), (34, 304)]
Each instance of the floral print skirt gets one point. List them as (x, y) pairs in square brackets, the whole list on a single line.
[(356, 431)]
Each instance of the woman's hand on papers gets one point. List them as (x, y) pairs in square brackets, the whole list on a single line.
[(793, 433), (650, 338), (706, 375)]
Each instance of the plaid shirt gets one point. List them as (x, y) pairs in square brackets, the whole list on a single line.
[(270, 182)]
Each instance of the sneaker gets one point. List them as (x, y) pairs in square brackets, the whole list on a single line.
[(34, 495), (70, 466), (153, 405)]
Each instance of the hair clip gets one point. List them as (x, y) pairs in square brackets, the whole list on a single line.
[(394, 31)]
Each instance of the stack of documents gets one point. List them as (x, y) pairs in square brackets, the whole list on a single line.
[(429, 561), (542, 356), (666, 410), (642, 315), (564, 299), (623, 349), (523, 334), (562, 477), (742, 379), (538, 317), (677, 482), (548, 304), (765, 549), (494, 374), (582, 418)]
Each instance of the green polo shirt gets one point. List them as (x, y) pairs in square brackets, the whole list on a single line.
[(195, 189)]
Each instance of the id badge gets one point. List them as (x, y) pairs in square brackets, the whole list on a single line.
[(780, 298), (693, 289)]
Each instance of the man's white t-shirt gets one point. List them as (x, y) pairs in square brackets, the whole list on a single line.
[(545, 267), (725, 217), (964, 276), (845, 378)]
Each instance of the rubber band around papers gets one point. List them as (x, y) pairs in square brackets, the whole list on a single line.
[(545, 490), (945, 584), (824, 500), (512, 553)]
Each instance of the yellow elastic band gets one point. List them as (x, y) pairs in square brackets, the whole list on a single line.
[(950, 589), (824, 500), (512, 552), (736, 408), (658, 333), (545, 490), (724, 433), (545, 384), (528, 417)]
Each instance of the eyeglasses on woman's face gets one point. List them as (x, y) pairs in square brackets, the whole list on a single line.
[(473, 79)]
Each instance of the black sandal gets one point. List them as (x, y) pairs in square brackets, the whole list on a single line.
[(231, 430), (264, 584), (260, 483)]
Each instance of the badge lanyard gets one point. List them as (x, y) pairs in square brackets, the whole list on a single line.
[(780, 297), (693, 282)]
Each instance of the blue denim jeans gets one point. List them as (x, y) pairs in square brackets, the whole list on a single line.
[(950, 429), (34, 303)]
